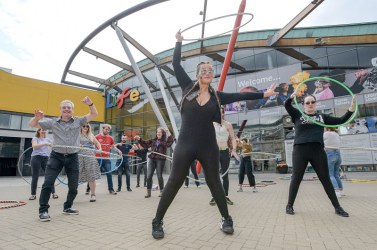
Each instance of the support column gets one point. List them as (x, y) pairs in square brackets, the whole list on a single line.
[(140, 76)]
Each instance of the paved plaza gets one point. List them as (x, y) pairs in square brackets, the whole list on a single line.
[(124, 221)]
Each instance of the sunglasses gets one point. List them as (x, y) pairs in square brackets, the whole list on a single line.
[(85, 126), (311, 102), (204, 72)]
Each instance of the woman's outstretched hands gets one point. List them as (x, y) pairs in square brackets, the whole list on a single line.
[(179, 36), (270, 91)]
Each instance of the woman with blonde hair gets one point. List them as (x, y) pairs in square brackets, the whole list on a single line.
[(88, 164), (246, 166), (39, 158)]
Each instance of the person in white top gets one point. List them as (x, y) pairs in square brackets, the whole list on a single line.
[(331, 139), (224, 132)]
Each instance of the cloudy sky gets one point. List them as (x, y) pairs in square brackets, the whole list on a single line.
[(37, 37)]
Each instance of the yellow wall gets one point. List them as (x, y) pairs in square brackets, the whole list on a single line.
[(24, 95)]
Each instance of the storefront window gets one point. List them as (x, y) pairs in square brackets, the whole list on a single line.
[(4, 121)]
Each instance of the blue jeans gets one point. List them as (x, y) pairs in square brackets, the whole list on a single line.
[(105, 166), (126, 167), (334, 160), (55, 164)]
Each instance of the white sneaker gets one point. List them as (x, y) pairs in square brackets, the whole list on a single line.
[(240, 189), (255, 190), (338, 194)]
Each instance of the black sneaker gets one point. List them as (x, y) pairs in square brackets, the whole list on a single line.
[(226, 225), (212, 202), (129, 189), (229, 201), (71, 211), (44, 217), (340, 211), (113, 192), (137, 185), (118, 190), (157, 229), (289, 210)]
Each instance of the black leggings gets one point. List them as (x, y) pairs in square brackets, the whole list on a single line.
[(38, 162), (248, 167), (141, 167), (184, 154), (301, 156), (224, 164), (193, 171)]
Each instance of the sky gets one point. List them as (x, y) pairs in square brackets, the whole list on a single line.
[(37, 37)]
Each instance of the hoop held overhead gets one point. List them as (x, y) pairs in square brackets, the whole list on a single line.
[(216, 18)]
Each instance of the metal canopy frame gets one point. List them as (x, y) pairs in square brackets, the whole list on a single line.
[(129, 70)]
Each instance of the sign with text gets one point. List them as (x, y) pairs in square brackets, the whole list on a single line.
[(118, 100)]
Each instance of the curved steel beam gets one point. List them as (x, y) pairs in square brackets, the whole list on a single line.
[(115, 18)]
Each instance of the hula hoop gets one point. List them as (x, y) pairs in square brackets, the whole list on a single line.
[(268, 183), (199, 180), (261, 153), (117, 157), (353, 148), (14, 204), (213, 19), (167, 156), (260, 185), (318, 123), (20, 159), (364, 181), (135, 164)]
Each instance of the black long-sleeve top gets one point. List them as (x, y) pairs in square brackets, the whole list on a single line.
[(142, 153), (308, 132), (188, 87)]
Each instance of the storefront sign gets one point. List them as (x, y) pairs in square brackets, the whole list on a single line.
[(115, 99)]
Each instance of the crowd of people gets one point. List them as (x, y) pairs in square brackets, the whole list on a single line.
[(84, 155)]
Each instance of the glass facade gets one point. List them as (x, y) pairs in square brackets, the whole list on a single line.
[(254, 69)]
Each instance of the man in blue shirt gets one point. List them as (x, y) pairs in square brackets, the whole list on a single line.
[(125, 148)]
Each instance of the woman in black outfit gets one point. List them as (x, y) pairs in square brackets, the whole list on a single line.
[(200, 107), (309, 147)]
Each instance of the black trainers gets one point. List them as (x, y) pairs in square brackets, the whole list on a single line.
[(226, 225), (158, 229), (229, 201), (340, 211), (44, 217), (118, 190), (289, 210), (137, 185), (129, 189), (212, 202), (71, 211)]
